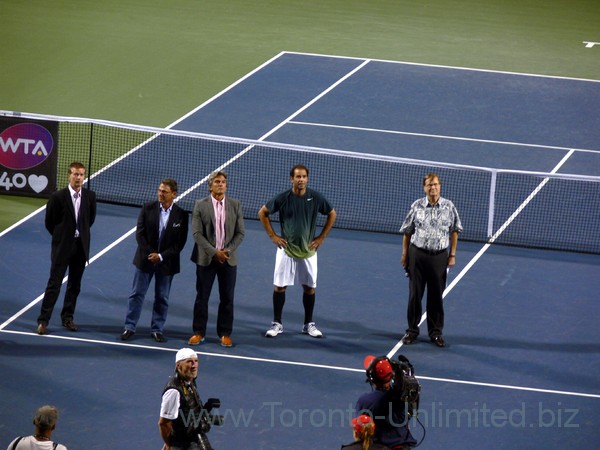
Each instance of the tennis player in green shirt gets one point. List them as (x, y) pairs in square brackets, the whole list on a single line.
[(296, 259)]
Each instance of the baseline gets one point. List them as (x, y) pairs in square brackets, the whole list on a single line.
[(305, 364)]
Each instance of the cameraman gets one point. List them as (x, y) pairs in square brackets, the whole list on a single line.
[(184, 421), (383, 405)]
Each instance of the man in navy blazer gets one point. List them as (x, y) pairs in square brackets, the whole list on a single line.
[(161, 234), (218, 230), (70, 213)]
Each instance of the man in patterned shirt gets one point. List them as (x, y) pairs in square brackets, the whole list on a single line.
[(296, 258), (430, 229)]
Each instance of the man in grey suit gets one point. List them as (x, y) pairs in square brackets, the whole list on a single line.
[(218, 230)]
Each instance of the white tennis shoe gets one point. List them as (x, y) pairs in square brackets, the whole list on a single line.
[(312, 330), (276, 328)]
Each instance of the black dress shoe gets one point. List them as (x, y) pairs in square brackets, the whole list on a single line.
[(42, 328), (70, 325), (125, 335), (439, 341), (409, 338), (158, 337)]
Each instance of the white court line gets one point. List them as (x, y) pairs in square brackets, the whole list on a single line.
[(23, 220), (304, 364), (41, 296), (441, 66), (479, 254), (441, 136), (227, 89)]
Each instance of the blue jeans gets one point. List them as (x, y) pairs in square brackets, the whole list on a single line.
[(162, 287)]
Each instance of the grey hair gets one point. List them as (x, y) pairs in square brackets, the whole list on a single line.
[(46, 417), (214, 175)]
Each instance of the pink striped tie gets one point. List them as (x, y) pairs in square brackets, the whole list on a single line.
[(220, 234)]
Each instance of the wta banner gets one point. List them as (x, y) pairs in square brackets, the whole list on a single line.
[(28, 157)]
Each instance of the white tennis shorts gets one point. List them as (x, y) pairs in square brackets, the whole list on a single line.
[(288, 270)]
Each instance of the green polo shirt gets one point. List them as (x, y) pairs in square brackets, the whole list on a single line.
[(298, 219)]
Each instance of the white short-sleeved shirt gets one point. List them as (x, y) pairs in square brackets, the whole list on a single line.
[(169, 407), (31, 443)]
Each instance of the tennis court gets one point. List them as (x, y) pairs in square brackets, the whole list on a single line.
[(519, 371)]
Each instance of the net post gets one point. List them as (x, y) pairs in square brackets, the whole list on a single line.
[(491, 206)]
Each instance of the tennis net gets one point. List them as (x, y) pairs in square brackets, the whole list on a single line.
[(369, 192)]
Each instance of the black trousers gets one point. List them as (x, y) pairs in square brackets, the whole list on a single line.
[(429, 272), (205, 278), (76, 266)]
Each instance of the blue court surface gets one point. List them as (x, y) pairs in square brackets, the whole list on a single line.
[(523, 356)]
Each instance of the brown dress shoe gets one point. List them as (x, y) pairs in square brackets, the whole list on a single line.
[(42, 328), (226, 341), (70, 325), (196, 339)]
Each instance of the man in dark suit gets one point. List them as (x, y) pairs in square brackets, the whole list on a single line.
[(70, 213), (161, 233), (218, 230)]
